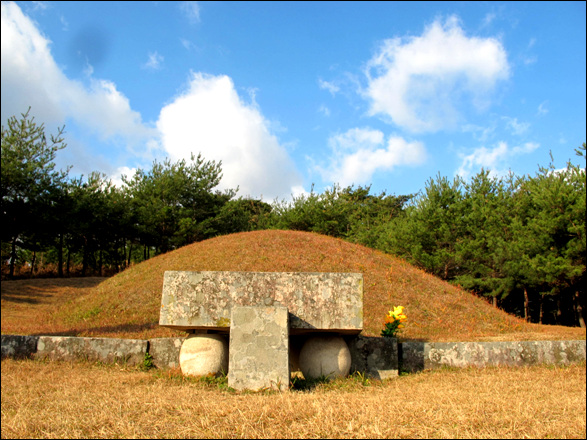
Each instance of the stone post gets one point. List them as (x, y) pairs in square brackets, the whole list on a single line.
[(259, 348)]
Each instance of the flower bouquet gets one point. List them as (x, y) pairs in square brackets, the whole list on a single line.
[(394, 322)]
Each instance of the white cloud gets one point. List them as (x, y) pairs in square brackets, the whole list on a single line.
[(192, 10), (210, 118), (494, 159), (361, 152), (526, 148), (40, 6), (488, 19), (154, 61), (64, 23), (330, 86), (30, 77), (542, 108), (517, 128), (480, 134), (187, 44), (420, 83), (116, 176)]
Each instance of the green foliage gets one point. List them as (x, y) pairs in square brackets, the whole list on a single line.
[(431, 228), (147, 362), (243, 215), (30, 187), (517, 241), (481, 251), (174, 203), (348, 213)]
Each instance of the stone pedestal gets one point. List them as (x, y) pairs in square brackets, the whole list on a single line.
[(261, 310), (259, 348)]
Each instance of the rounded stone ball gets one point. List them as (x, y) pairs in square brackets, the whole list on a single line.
[(203, 354), (325, 356)]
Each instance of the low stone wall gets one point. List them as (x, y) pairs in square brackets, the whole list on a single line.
[(416, 356), (68, 348), (376, 357), (380, 358)]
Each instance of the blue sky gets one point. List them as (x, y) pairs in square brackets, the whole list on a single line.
[(293, 94)]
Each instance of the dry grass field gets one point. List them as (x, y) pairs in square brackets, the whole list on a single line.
[(127, 305), (90, 400), (82, 400)]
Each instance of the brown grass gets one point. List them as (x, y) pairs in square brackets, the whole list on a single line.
[(127, 305), (73, 400)]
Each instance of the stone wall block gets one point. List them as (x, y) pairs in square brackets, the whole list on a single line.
[(19, 346), (165, 351), (417, 356), (69, 348), (375, 356)]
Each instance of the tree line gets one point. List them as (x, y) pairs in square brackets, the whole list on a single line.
[(517, 241)]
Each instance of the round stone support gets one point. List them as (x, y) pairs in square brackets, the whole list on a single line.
[(325, 356), (203, 354)]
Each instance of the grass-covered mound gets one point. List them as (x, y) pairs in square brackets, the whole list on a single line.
[(127, 305)]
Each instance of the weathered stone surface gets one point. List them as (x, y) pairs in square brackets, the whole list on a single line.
[(67, 348), (259, 348), (374, 356), (429, 355), (316, 301), (325, 355), (18, 346), (165, 351), (203, 354)]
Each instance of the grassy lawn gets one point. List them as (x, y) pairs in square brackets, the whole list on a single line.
[(68, 400)]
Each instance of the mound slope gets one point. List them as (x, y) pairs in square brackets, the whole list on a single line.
[(127, 305)]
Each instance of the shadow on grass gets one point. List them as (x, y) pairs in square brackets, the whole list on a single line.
[(26, 298), (34, 290), (301, 384), (104, 332)]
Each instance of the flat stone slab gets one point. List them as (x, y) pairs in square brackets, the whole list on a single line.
[(259, 349), (330, 302)]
